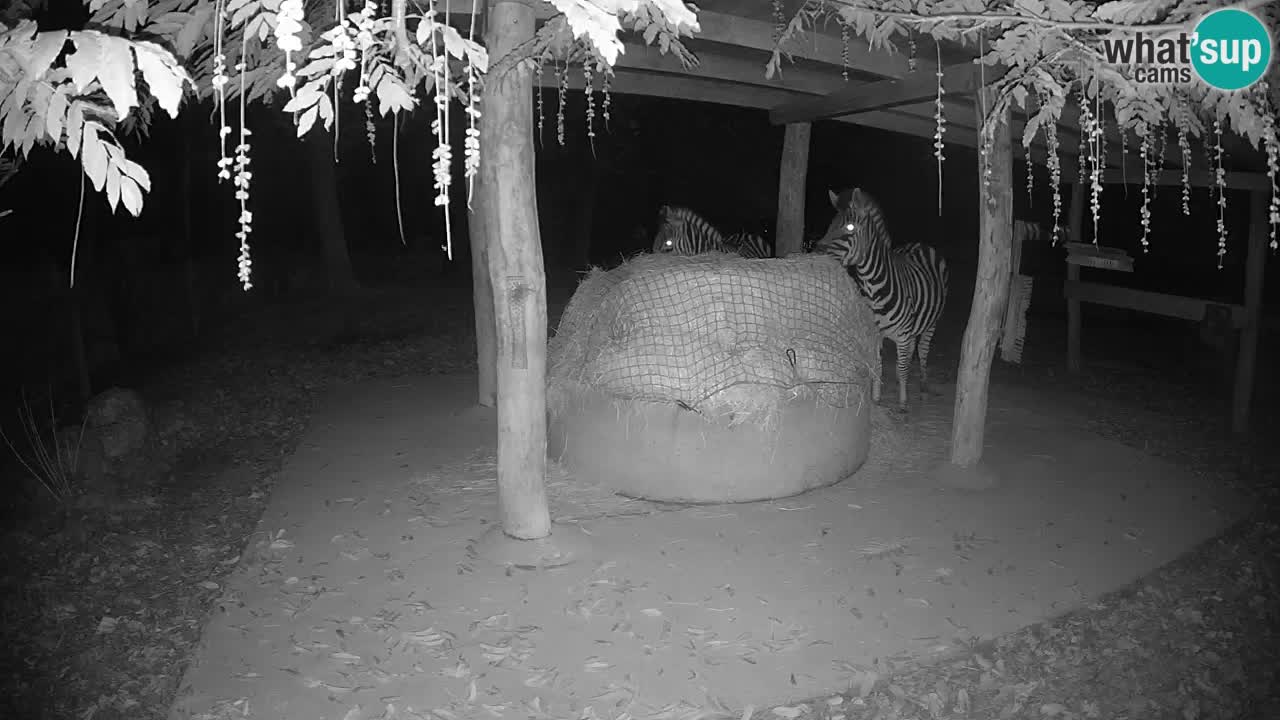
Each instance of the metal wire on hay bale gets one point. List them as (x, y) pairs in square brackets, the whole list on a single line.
[(692, 365)]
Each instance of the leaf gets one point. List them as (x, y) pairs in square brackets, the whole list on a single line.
[(75, 127), (116, 74), (316, 67), (136, 173), (193, 30), (242, 13), (307, 119), (85, 61), (261, 26), (93, 155), (165, 77), (113, 186), (47, 47), (29, 134), (56, 114), (393, 96), (306, 97), (1132, 12)]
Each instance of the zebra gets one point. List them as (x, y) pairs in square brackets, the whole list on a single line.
[(681, 231), (906, 285)]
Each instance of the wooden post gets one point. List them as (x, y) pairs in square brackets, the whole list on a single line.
[(1075, 231), (1246, 359), (792, 177), (517, 274), (482, 296), (991, 291)]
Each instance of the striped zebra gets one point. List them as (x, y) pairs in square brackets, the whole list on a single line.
[(905, 285), (682, 231)]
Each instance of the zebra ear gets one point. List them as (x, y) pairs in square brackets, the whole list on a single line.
[(835, 199)]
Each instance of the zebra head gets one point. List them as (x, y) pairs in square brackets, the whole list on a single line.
[(856, 228), (669, 226), (682, 231)]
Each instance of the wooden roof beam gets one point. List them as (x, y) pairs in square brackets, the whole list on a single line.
[(816, 46), (919, 86), (1236, 180), (758, 35), (730, 68), (631, 82)]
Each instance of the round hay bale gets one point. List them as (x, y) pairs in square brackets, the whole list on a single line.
[(714, 378), (660, 451)]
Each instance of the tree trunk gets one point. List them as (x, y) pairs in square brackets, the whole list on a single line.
[(990, 295), (482, 293), (791, 189), (327, 212), (518, 277)]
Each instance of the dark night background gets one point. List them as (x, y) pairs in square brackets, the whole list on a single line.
[(151, 292), (721, 161)]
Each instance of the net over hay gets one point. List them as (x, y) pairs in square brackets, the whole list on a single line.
[(713, 378)]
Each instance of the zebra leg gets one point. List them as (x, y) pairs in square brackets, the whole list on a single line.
[(926, 341), (906, 349)]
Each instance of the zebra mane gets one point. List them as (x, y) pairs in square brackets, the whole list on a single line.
[(681, 215), (856, 202)]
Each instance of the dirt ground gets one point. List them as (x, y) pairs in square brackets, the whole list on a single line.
[(103, 609), (364, 592)]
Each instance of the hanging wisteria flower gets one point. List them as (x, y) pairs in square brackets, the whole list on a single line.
[(1184, 145), (844, 50), (604, 106), (1145, 212), (364, 41), (339, 37), (564, 91), (471, 142), (242, 180), (1094, 131), (442, 161), (939, 119), (1220, 180), (288, 25), (537, 90), (1086, 120), (589, 90), (1273, 174), (371, 132), (1055, 177)]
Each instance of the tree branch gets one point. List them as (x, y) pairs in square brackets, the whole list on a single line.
[(994, 18)]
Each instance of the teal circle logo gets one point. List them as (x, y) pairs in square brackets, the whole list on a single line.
[(1232, 49)]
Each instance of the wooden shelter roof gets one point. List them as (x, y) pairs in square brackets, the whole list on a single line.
[(736, 40)]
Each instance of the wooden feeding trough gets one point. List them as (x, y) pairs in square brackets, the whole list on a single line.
[(1246, 317)]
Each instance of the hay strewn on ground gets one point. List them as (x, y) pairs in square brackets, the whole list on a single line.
[(718, 334)]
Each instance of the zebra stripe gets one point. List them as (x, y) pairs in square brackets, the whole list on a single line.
[(749, 245), (906, 285), (682, 231)]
